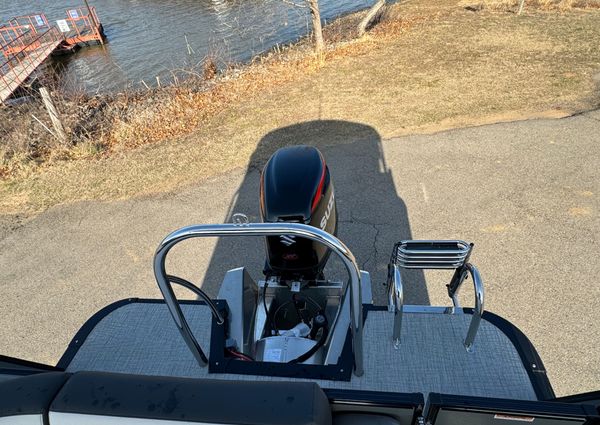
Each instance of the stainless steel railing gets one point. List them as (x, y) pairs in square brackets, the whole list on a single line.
[(478, 309), (434, 255), (261, 229), (423, 254), (395, 301)]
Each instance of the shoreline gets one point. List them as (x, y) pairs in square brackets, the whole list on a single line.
[(80, 110), (454, 79)]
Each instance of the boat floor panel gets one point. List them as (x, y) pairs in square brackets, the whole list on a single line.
[(141, 338)]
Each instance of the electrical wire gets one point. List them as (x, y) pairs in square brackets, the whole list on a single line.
[(282, 306), (314, 303), (239, 355), (294, 300), (189, 285), (264, 299), (313, 350)]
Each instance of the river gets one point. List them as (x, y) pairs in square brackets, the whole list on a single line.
[(150, 38)]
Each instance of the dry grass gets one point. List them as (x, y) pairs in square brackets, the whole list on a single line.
[(429, 65), (546, 5), (103, 124)]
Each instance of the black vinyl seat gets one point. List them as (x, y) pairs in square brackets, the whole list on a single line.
[(461, 410), (26, 399), (356, 407), (59, 398), (364, 418), (155, 399)]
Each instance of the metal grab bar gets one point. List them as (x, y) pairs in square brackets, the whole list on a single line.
[(431, 254), (478, 310), (395, 301), (434, 254), (260, 229)]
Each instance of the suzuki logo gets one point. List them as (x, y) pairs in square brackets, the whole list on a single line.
[(287, 240), (325, 218)]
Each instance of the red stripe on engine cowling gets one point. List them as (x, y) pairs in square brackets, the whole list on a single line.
[(320, 187)]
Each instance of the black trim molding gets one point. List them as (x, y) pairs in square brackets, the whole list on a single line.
[(30, 395), (374, 398), (88, 327), (592, 397), (20, 367), (529, 356)]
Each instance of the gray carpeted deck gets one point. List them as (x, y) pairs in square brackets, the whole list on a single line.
[(141, 338)]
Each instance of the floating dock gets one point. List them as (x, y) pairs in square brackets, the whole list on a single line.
[(27, 41)]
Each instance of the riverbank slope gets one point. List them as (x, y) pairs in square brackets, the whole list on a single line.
[(429, 66)]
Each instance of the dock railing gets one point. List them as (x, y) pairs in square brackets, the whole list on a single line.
[(84, 25), (26, 41), (18, 26), (25, 52), (36, 22)]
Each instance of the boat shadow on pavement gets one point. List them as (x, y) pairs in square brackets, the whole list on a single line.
[(372, 217)]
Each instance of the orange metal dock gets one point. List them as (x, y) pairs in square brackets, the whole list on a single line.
[(27, 41)]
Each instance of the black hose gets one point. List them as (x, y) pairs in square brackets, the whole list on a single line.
[(189, 285), (313, 350)]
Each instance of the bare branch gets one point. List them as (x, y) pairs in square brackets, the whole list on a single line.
[(44, 125), (292, 3)]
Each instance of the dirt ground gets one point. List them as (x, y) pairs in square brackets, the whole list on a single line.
[(429, 66)]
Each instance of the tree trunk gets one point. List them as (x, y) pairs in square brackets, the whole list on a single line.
[(316, 23), (371, 15)]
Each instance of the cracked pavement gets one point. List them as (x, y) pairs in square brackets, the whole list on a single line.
[(526, 193)]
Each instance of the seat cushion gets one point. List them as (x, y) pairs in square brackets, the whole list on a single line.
[(364, 419), (189, 400), (26, 399)]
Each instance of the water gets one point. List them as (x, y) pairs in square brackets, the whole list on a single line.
[(147, 38)]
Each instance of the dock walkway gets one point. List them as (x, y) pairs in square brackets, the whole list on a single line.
[(27, 41), (15, 76)]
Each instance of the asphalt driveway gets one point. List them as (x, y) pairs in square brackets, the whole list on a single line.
[(526, 193)]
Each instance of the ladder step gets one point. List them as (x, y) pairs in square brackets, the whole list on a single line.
[(428, 254)]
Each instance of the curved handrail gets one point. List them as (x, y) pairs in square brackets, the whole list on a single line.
[(434, 259), (395, 301), (260, 229), (478, 310)]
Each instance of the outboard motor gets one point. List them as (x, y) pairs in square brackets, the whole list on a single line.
[(296, 187)]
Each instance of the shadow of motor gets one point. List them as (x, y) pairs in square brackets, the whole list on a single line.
[(372, 217)]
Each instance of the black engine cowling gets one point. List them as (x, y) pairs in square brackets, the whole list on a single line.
[(296, 187)]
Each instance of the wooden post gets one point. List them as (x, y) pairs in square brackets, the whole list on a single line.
[(521, 4), (58, 127)]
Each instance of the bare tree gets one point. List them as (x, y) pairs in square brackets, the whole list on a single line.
[(315, 14), (371, 16)]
